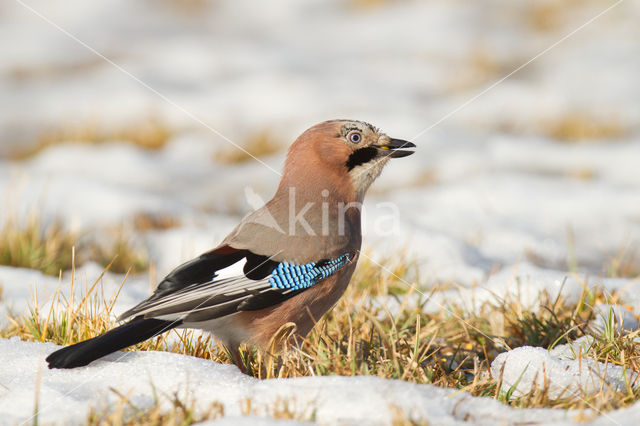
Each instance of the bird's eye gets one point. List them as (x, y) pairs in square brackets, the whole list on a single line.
[(354, 137)]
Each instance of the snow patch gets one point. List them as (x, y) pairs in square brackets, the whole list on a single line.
[(527, 368)]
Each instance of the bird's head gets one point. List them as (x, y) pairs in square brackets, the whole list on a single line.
[(350, 149)]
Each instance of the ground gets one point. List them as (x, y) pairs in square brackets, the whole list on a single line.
[(505, 250)]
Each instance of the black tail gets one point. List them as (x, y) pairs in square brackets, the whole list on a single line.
[(135, 331)]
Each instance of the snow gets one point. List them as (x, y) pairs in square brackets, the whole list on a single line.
[(491, 201), (526, 368), (368, 400)]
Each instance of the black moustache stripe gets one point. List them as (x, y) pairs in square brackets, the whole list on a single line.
[(361, 156)]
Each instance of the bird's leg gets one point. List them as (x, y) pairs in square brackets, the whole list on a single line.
[(236, 357)]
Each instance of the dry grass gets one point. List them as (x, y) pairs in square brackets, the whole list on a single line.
[(583, 127), (126, 413), (150, 133), (625, 263), (573, 127), (185, 413), (481, 66), (368, 4), (379, 328), (144, 222), (116, 248), (545, 16), (35, 245), (70, 320), (47, 247), (258, 145), (189, 7), (548, 16), (584, 173), (47, 70)]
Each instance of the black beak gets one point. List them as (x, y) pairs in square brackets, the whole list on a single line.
[(394, 148)]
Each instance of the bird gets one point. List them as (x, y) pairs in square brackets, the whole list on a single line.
[(299, 250)]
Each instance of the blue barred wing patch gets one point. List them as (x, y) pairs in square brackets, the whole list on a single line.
[(288, 276)]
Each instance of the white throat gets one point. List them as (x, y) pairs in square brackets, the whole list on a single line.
[(362, 176)]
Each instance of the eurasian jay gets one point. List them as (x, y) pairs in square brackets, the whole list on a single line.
[(300, 250)]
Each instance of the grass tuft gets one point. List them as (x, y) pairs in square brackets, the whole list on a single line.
[(47, 247), (117, 250), (180, 412), (143, 222), (582, 127), (150, 133), (35, 245), (258, 145), (625, 263)]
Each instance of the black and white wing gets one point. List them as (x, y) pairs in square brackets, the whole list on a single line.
[(193, 293)]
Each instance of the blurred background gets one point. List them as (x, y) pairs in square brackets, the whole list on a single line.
[(119, 120)]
